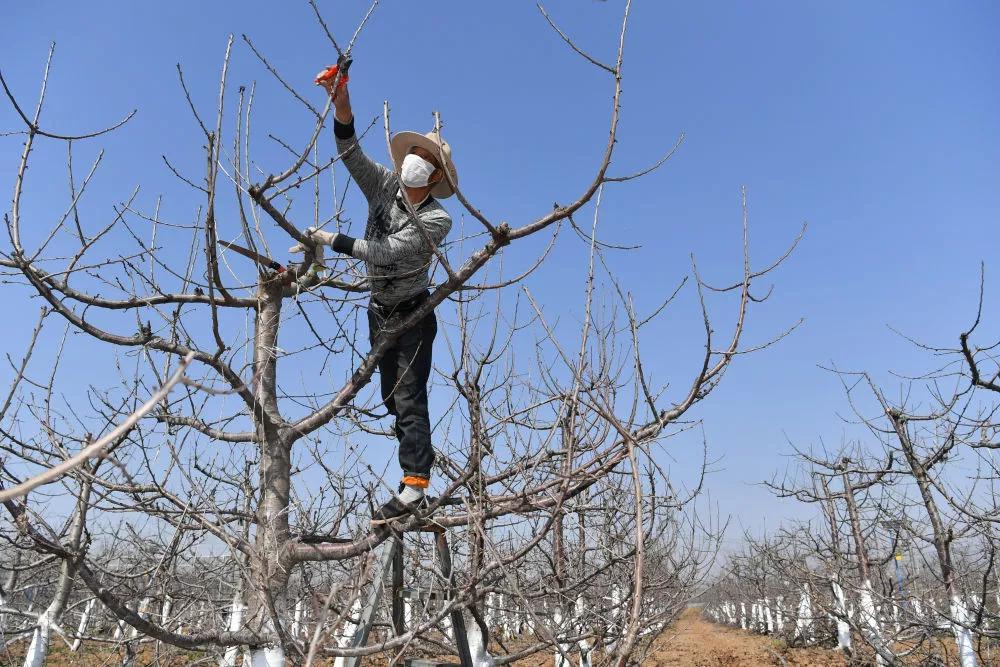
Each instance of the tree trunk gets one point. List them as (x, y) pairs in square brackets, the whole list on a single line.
[(271, 564), (959, 611)]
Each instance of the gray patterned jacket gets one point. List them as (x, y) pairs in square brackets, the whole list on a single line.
[(396, 254)]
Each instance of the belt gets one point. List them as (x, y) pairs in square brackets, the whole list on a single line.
[(403, 306)]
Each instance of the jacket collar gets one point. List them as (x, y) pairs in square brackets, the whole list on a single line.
[(401, 204)]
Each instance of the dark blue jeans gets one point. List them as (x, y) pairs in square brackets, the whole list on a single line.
[(404, 371)]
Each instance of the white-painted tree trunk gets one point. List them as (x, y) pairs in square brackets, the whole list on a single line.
[(50, 617), (143, 608), (616, 607), (297, 619), (963, 637), (585, 645), (82, 628), (165, 609), (446, 626), (803, 623), (939, 615), (779, 613), (743, 615), (918, 608), (768, 618), (347, 634), (235, 624), (39, 647), (491, 610), (840, 608), (562, 652), (269, 656), (506, 622), (408, 609), (477, 646), (869, 620)]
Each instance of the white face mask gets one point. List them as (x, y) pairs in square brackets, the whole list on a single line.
[(415, 171)]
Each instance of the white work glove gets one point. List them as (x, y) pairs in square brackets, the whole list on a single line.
[(320, 240)]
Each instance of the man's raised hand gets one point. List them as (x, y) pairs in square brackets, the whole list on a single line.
[(341, 98)]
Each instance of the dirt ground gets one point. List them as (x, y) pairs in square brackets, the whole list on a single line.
[(694, 642), (691, 642)]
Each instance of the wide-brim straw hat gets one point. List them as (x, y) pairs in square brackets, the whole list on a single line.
[(402, 142)]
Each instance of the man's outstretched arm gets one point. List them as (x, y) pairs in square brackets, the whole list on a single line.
[(406, 242), (370, 175)]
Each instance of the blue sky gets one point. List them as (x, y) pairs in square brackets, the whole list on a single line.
[(878, 123)]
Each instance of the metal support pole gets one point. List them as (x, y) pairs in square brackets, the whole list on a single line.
[(457, 619), (398, 617)]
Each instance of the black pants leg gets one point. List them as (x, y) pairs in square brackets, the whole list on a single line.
[(404, 371)]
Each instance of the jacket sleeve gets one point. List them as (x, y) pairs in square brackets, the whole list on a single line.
[(371, 177), (406, 242)]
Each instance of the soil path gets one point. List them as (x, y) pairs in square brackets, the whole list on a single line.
[(694, 642)]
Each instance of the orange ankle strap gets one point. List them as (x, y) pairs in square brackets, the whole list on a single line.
[(419, 482)]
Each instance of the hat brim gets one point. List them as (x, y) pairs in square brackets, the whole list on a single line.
[(399, 147)]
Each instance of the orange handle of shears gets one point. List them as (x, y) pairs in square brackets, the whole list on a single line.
[(330, 73)]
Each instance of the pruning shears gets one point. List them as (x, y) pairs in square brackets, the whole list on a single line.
[(330, 73)]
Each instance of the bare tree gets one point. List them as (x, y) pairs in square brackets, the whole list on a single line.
[(919, 494), (231, 512)]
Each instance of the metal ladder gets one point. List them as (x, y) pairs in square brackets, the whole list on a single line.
[(392, 558)]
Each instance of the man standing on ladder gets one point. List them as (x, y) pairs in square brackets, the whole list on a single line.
[(397, 254)]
